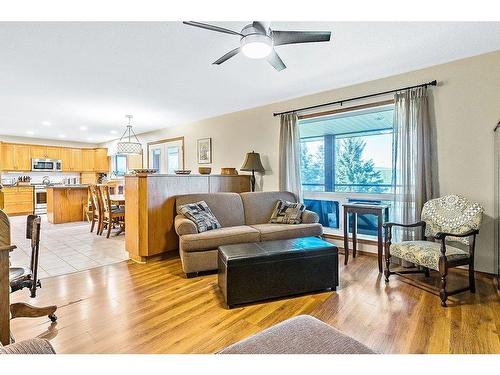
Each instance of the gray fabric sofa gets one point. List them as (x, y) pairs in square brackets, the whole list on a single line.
[(302, 334), (244, 218)]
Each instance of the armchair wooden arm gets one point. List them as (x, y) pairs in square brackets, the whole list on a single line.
[(417, 224), (8, 248)]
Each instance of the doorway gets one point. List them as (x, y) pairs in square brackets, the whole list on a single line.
[(166, 155)]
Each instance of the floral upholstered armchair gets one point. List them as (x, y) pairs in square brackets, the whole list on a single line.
[(445, 220)]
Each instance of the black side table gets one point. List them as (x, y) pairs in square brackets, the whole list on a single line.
[(361, 208)]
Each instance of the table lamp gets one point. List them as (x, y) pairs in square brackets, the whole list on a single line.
[(252, 164)]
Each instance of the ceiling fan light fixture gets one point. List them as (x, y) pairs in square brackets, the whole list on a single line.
[(256, 46)]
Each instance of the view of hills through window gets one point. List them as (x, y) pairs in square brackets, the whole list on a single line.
[(348, 152)]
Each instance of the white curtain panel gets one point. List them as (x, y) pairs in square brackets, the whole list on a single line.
[(412, 159), (497, 203), (289, 155)]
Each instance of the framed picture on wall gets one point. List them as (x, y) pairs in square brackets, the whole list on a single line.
[(205, 151)]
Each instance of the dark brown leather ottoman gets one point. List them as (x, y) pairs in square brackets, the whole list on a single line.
[(258, 271)]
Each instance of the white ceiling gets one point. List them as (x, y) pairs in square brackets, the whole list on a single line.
[(91, 75)]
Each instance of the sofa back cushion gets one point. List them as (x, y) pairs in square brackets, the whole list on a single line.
[(259, 205), (227, 207)]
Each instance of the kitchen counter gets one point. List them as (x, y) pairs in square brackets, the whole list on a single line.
[(72, 186), (65, 203)]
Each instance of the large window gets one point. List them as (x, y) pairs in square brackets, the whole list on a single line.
[(119, 165), (347, 156), (348, 152)]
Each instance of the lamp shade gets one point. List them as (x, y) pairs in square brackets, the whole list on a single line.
[(253, 163)]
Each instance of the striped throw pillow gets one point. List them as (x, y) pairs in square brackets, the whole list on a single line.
[(201, 215), (287, 213)]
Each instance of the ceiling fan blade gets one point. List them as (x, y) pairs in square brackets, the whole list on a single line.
[(211, 27), (261, 26), (276, 61), (291, 37), (227, 56)]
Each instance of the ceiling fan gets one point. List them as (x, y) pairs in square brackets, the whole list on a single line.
[(257, 41)]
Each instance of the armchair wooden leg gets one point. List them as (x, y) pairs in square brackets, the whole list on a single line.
[(24, 310), (92, 226), (387, 271), (443, 293), (472, 279)]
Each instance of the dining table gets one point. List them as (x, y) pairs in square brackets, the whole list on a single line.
[(117, 199)]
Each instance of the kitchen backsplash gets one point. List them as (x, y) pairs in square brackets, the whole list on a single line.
[(37, 177)]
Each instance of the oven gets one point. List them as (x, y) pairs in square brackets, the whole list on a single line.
[(43, 165), (40, 199)]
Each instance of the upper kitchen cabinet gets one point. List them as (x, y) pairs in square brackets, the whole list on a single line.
[(88, 160), (71, 159), (76, 159), (45, 152), (15, 157), (101, 163)]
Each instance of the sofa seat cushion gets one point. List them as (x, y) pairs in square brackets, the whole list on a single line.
[(271, 232), (425, 253), (212, 239)]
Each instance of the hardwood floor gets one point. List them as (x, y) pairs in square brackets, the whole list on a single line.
[(151, 308)]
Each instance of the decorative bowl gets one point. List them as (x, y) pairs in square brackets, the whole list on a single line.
[(182, 171), (204, 170), (228, 171), (144, 170)]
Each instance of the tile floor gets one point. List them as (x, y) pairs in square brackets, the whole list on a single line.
[(66, 248)]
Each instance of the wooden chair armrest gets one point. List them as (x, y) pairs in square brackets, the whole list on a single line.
[(8, 248), (417, 224)]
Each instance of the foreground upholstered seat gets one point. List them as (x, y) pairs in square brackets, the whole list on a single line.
[(450, 219), (302, 334), (32, 346)]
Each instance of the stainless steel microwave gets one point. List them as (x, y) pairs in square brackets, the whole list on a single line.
[(46, 165)]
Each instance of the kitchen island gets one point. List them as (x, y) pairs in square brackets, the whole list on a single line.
[(65, 203)]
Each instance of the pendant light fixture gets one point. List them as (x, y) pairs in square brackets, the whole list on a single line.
[(126, 145)]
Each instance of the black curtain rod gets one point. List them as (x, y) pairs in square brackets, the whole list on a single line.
[(432, 83)]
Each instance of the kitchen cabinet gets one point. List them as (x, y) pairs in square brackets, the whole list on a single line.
[(88, 160), (101, 163), (45, 152), (71, 159), (15, 157), (65, 204), (66, 160), (18, 200), (76, 159)]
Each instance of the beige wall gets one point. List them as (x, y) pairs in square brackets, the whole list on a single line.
[(466, 109)]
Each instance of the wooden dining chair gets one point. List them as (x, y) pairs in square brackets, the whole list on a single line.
[(27, 277), (111, 215), (96, 208)]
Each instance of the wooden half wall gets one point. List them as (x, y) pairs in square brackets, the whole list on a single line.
[(150, 208)]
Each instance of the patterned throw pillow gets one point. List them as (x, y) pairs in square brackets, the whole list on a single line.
[(201, 215), (287, 212)]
